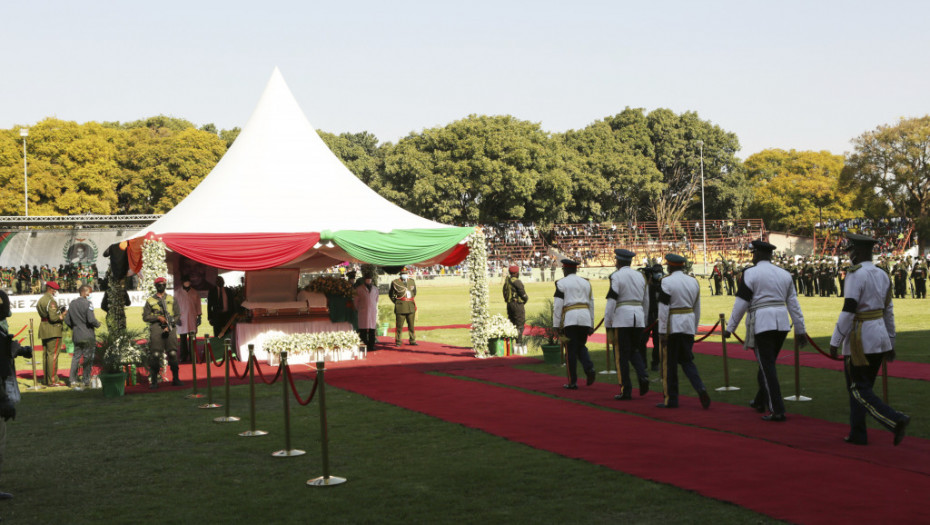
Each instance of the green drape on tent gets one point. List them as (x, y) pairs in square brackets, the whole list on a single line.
[(397, 247)]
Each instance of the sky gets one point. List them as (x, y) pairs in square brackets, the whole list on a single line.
[(805, 75)]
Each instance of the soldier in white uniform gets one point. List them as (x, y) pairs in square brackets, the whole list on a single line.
[(573, 314), (767, 293), (625, 319), (679, 313), (866, 330)]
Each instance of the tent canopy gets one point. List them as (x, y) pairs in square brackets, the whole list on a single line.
[(280, 198)]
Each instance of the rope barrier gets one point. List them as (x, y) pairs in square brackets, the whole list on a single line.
[(290, 379), (258, 368), (825, 354), (213, 357), (236, 370), (708, 334), (20, 331)]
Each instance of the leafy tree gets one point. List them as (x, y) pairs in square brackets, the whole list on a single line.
[(230, 135), (893, 162), (794, 189), (478, 169), (359, 152)]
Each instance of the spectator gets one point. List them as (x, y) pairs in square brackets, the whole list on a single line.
[(81, 319)]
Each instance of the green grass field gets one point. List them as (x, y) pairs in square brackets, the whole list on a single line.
[(156, 458)]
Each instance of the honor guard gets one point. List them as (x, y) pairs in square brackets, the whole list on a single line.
[(161, 313), (679, 313), (403, 293), (573, 314), (766, 295), (50, 327), (624, 317), (919, 275), (866, 331), (515, 298)]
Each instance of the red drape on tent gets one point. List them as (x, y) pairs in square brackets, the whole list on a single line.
[(241, 251)]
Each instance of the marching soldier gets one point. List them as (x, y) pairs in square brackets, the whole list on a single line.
[(515, 298), (653, 278), (919, 274), (866, 330), (162, 314), (679, 314), (767, 294), (51, 319), (403, 294), (728, 272), (900, 280), (573, 314), (717, 275), (624, 317)]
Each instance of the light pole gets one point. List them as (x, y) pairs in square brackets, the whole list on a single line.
[(24, 132), (700, 144)]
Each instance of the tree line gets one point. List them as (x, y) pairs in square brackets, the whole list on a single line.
[(632, 166)]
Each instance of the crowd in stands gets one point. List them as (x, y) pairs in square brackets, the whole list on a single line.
[(894, 234)]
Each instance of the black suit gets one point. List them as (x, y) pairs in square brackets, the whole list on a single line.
[(216, 314)]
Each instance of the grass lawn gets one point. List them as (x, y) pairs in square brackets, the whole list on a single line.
[(156, 458)]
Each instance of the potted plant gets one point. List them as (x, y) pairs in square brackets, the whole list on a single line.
[(544, 335), (116, 350), (385, 318)]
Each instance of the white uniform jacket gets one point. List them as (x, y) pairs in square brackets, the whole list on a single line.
[(626, 300), (678, 290), (570, 291), (768, 292), (868, 288)]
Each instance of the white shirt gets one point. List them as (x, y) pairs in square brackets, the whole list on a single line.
[(678, 290), (190, 308), (869, 286), (626, 285), (571, 290), (767, 283)]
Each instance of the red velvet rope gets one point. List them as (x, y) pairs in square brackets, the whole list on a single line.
[(708, 334), (213, 357), (734, 334), (653, 325), (290, 379), (20, 331), (825, 354), (258, 368), (236, 371)]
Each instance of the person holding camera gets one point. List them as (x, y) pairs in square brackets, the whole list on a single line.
[(161, 313), (81, 319), (9, 392)]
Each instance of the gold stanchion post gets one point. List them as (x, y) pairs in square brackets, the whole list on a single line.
[(252, 432), (797, 374), (35, 375), (325, 480), (227, 418), (287, 451), (726, 364), (208, 358), (192, 351), (607, 349)]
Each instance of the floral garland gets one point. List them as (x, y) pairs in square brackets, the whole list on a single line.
[(476, 266), (154, 253), (295, 344), (500, 327), (332, 285)]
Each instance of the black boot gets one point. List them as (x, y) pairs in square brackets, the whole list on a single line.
[(176, 374)]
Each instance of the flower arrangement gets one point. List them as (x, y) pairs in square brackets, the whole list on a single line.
[(500, 327), (476, 266), (154, 252), (332, 285), (117, 349), (295, 344)]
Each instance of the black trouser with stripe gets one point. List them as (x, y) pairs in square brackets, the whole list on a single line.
[(862, 400), (768, 345), (627, 346), (678, 350)]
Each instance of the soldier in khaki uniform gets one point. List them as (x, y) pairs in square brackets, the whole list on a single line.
[(403, 294), (162, 314), (50, 332)]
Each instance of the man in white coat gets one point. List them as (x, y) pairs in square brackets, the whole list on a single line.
[(188, 300), (767, 293), (679, 314), (625, 320), (573, 315), (366, 302), (866, 331)]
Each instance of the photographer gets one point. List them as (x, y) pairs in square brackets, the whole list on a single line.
[(9, 394), (163, 337)]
